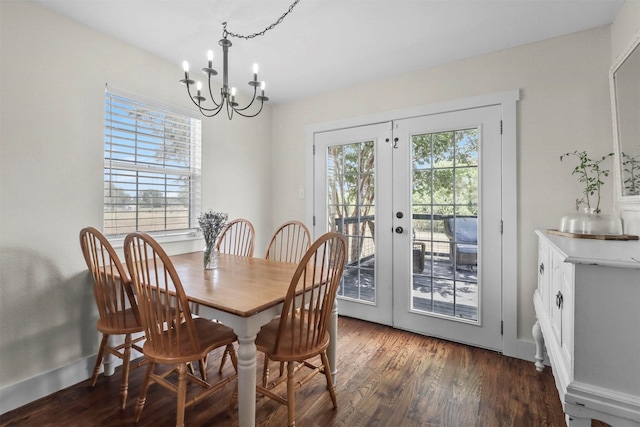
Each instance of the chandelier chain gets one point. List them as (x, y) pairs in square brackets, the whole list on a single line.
[(261, 33)]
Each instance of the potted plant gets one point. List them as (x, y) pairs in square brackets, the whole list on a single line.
[(590, 172)]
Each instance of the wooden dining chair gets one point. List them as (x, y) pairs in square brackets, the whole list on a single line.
[(174, 337), (301, 333), (237, 238), (116, 303), (289, 242)]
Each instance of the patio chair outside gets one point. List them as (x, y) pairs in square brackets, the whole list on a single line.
[(463, 237)]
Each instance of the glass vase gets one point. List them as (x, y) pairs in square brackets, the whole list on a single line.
[(210, 257)]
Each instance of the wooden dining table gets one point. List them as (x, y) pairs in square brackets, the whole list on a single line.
[(244, 293)]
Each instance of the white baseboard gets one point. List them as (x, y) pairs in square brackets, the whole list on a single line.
[(23, 392), (15, 395), (526, 350)]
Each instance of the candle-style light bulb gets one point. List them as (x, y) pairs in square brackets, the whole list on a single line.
[(199, 87), (233, 94), (185, 67), (210, 58), (262, 86), (255, 72)]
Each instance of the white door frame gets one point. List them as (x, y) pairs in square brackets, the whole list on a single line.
[(508, 102)]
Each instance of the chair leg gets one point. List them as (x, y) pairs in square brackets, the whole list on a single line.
[(224, 358), (291, 394), (124, 386), (231, 352), (327, 374), (265, 371), (96, 368), (182, 394), (203, 367), (234, 357), (143, 391)]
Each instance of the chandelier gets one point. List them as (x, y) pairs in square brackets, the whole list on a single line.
[(227, 100)]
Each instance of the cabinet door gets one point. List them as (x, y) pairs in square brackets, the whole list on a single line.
[(555, 295), (567, 302), (544, 271)]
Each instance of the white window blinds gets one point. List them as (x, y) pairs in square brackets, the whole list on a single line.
[(151, 167)]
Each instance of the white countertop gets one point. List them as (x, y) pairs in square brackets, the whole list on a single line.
[(613, 253)]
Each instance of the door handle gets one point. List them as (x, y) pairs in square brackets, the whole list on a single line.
[(399, 230), (559, 299)]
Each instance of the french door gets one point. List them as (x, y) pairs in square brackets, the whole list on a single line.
[(447, 260), (352, 194), (419, 200)]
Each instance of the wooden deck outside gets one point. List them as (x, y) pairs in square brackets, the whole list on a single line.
[(439, 288)]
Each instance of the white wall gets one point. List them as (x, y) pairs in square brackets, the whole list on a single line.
[(51, 170), (564, 106)]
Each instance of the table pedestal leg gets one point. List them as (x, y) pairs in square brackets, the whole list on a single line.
[(247, 381)]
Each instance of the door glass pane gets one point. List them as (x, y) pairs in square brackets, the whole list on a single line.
[(351, 211), (444, 221)]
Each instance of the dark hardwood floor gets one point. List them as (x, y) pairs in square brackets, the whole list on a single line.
[(386, 377)]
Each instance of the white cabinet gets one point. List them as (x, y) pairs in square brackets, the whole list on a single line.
[(588, 319)]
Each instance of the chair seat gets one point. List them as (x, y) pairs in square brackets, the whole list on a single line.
[(210, 334), (266, 342), (120, 323)]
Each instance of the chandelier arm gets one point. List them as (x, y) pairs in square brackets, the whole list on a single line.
[(249, 115), (255, 91), (217, 110), (211, 111), (204, 110), (211, 95)]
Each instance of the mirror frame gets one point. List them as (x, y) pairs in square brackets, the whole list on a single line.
[(635, 44)]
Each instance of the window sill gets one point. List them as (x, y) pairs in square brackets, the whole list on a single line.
[(118, 242)]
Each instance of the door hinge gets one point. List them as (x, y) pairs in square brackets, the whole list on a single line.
[(501, 327), (314, 220), (314, 149), (500, 127), (501, 227)]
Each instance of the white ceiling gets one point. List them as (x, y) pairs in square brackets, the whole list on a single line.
[(326, 45)]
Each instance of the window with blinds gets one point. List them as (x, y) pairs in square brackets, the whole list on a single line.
[(151, 167)]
